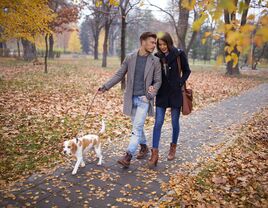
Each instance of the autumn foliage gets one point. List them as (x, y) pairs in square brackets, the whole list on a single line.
[(24, 19)]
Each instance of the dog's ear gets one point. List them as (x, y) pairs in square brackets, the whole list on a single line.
[(73, 148)]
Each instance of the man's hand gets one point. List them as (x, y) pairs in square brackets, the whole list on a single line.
[(101, 90), (151, 89)]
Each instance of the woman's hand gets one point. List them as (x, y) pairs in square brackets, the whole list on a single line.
[(151, 89)]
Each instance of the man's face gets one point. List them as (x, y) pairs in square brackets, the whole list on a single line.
[(149, 44)]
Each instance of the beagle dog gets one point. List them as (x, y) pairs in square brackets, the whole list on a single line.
[(78, 146)]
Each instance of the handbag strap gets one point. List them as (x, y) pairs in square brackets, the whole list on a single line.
[(180, 70)]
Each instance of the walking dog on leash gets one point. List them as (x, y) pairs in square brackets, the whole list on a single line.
[(80, 145)]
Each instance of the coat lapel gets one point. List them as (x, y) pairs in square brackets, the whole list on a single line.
[(148, 65), (132, 64)]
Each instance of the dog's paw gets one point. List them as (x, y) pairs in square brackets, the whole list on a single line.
[(83, 164), (99, 163), (74, 172)]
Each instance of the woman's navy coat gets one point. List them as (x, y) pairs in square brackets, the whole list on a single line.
[(170, 93)]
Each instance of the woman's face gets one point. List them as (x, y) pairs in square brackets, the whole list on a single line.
[(163, 46)]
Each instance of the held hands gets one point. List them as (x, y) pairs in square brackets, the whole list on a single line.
[(151, 89)]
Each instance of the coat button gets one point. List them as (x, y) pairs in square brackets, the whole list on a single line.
[(169, 67)]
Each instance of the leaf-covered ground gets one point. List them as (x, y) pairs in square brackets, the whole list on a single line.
[(238, 176), (39, 111)]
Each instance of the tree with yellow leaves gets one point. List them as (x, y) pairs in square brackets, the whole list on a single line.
[(24, 19), (234, 22), (74, 44)]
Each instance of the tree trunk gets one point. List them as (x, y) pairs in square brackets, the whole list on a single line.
[(256, 61), (29, 50), (183, 25), (112, 45), (96, 46), (105, 43), (51, 45), (194, 34), (18, 46), (46, 53), (228, 17), (123, 45), (230, 69), (193, 37), (2, 49)]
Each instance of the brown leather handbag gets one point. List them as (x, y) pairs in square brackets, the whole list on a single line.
[(187, 94)]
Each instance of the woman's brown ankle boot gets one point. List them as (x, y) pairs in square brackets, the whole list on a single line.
[(172, 151), (154, 158)]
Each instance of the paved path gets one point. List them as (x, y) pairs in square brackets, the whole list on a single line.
[(110, 185)]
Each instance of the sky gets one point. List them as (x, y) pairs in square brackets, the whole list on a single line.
[(156, 12)]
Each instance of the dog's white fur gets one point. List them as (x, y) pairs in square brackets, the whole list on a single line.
[(78, 146)]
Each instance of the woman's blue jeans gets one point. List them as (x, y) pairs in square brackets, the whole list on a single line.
[(159, 120)]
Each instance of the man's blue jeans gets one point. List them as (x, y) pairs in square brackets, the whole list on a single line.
[(140, 106), (159, 120)]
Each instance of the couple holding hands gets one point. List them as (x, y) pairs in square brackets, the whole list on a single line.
[(151, 76)]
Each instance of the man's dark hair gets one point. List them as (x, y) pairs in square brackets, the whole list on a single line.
[(166, 37), (146, 35)]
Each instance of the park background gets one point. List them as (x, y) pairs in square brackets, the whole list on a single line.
[(55, 54)]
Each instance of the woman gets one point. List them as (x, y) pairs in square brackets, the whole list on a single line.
[(170, 93)]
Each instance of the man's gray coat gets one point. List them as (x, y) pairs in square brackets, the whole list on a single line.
[(152, 76)]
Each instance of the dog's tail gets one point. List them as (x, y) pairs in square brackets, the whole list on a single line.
[(102, 126)]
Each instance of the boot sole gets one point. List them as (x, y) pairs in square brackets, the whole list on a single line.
[(145, 155), (152, 166), (123, 164), (139, 158)]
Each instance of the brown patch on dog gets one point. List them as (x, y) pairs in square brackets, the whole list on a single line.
[(73, 148), (95, 141), (86, 143)]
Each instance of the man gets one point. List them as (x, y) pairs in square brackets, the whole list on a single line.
[(143, 71)]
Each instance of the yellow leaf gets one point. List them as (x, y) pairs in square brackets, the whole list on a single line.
[(239, 48), (247, 28), (229, 49), (216, 15), (228, 27), (98, 3), (203, 41), (235, 59), (114, 2), (207, 34), (216, 37), (233, 37), (228, 58), (251, 17), (197, 23), (264, 20)]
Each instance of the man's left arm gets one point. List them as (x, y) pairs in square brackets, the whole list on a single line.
[(157, 80)]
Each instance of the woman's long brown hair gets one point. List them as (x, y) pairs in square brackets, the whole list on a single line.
[(166, 37)]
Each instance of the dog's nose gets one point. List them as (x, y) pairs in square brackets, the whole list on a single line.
[(64, 151)]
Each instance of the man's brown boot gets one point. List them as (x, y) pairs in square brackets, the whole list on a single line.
[(154, 158), (143, 151), (172, 151), (125, 160)]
